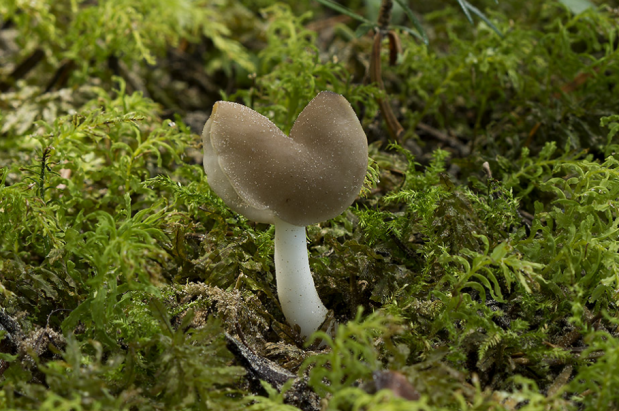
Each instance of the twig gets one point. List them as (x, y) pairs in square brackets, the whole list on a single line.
[(532, 133), (452, 142), (134, 82), (52, 313), (23, 68), (61, 76), (561, 380)]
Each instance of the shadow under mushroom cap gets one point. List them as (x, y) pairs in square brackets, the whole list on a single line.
[(311, 176)]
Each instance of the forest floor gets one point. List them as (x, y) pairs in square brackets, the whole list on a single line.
[(478, 269)]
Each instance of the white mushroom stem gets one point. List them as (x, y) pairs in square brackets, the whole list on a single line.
[(295, 285)]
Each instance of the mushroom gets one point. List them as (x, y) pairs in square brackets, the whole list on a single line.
[(291, 182)]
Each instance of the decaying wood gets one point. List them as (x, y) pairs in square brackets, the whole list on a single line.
[(262, 369)]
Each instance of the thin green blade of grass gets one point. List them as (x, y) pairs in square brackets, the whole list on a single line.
[(363, 29), (411, 32), (463, 4), (577, 6), (483, 17), (415, 21)]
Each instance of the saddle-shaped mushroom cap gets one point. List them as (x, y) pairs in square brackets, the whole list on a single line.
[(309, 177)]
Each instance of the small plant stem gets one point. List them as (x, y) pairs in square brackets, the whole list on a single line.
[(44, 166), (384, 17), (384, 14), (295, 286), (393, 125)]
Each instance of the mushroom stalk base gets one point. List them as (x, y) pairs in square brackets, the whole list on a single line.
[(295, 286)]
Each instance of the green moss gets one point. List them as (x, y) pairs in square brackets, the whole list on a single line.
[(480, 262)]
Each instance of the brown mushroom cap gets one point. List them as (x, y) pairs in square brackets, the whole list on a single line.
[(311, 176)]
